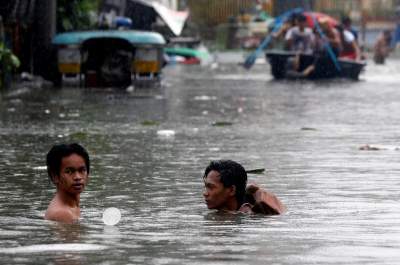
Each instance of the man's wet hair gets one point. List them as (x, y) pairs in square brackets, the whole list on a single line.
[(292, 18), (58, 152), (301, 17), (346, 20), (231, 173)]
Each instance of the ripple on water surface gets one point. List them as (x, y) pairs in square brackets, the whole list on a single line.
[(53, 247), (342, 202)]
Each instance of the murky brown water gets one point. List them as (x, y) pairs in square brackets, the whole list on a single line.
[(342, 202)]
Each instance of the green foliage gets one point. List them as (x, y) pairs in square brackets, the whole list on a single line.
[(79, 136), (8, 62), (149, 123), (76, 14), (221, 123)]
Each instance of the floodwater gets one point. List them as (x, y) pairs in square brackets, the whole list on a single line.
[(149, 149)]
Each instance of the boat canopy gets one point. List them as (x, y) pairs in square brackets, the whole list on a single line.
[(131, 36)]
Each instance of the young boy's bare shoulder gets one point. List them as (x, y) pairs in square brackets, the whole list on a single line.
[(60, 214)]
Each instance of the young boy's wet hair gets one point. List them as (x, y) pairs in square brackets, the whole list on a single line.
[(58, 152)]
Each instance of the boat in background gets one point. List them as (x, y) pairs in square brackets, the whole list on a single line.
[(280, 69)]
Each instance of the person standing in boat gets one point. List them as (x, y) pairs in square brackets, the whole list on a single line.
[(349, 38), (332, 37), (323, 65), (347, 24), (350, 49), (68, 167), (279, 41), (299, 39), (225, 190)]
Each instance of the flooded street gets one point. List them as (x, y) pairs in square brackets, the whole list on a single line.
[(343, 203)]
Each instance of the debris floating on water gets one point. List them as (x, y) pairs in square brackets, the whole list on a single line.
[(166, 133), (130, 88), (80, 136), (205, 98), (368, 147), (308, 129), (149, 123), (222, 123), (256, 171)]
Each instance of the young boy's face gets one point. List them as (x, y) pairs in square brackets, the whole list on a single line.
[(73, 175)]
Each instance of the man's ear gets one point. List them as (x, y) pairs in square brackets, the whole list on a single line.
[(232, 190)]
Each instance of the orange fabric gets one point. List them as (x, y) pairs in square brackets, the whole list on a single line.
[(348, 55), (263, 201)]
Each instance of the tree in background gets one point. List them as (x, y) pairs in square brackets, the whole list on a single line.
[(8, 61), (76, 14)]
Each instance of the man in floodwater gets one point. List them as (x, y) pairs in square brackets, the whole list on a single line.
[(68, 168), (382, 47), (225, 189)]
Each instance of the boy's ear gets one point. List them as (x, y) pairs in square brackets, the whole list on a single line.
[(55, 178)]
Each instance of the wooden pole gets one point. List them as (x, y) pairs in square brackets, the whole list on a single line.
[(43, 31)]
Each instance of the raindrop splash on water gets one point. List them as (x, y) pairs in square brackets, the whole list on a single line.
[(111, 216)]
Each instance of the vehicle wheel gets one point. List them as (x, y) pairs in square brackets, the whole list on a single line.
[(116, 68)]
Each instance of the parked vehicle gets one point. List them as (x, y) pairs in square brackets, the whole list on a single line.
[(103, 58)]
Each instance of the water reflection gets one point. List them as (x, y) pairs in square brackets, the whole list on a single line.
[(340, 199), (69, 259), (67, 233)]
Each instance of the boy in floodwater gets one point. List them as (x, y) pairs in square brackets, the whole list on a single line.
[(68, 167), (225, 189)]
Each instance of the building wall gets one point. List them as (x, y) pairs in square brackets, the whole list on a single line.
[(212, 12), (280, 6), (171, 4), (373, 9)]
